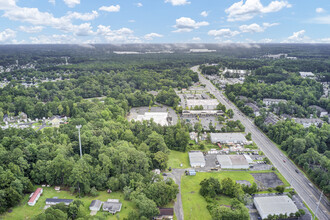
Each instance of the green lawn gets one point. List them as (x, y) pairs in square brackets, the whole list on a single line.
[(24, 211), (176, 158), (194, 205)]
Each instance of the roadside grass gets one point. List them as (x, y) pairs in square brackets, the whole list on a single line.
[(194, 205), (176, 158), (24, 211), (313, 215)]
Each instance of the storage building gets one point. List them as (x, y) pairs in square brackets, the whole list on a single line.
[(232, 162), (35, 196), (207, 104), (196, 159), (228, 138)]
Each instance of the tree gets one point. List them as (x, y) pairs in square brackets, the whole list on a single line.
[(160, 160), (210, 187), (230, 113), (280, 188), (146, 207), (162, 192)]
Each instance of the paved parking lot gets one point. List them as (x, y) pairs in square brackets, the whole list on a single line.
[(266, 180), (205, 121)]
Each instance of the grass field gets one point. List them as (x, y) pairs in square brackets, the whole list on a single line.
[(194, 205), (24, 211), (176, 158)]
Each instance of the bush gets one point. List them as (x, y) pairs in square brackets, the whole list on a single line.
[(280, 188), (94, 192)]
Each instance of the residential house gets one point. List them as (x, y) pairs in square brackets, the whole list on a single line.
[(95, 205), (255, 108), (320, 110), (112, 205), (307, 122), (165, 213), (269, 102), (35, 196), (54, 201)]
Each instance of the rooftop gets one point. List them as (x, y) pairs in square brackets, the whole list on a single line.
[(35, 194), (227, 160), (165, 211), (53, 200), (158, 117), (196, 157), (274, 205), (227, 137), (318, 108), (194, 102), (96, 204), (307, 120), (253, 106), (273, 100)]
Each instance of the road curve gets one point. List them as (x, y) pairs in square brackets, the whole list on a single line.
[(303, 186)]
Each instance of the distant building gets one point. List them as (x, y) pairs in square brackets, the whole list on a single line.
[(206, 103), (165, 213), (201, 51), (320, 110), (35, 196), (307, 122), (112, 205), (306, 74), (201, 113), (255, 108), (95, 205), (271, 119), (54, 201), (228, 138), (196, 159), (248, 158), (232, 162), (161, 118), (274, 205), (269, 102)]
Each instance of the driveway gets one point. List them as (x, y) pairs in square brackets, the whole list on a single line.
[(176, 175)]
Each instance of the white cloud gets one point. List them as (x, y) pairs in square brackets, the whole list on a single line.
[(319, 10), (321, 20), (111, 8), (177, 2), (84, 29), (297, 37), (253, 28), (52, 2), (185, 24), (223, 33), (242, 11), (151, 36), (71, 3), (204, 13), (82, 16), (7, 4), (53, 39), (7, 34), (324, 40), (266, 40), (122, 35), (131, 21), (139, 4), (31, 29), (196, 39)]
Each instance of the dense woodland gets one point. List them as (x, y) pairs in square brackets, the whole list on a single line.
[(308, 147)]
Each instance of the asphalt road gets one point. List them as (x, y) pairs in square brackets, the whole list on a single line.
[(306, 190)]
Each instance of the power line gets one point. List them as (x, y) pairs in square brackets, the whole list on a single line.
[(79, 126)]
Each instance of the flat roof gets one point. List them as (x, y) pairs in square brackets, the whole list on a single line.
[(271, 205), (224, 160), (227, 137), (229, 160), (196, 157), (194, 102), (158, 117)]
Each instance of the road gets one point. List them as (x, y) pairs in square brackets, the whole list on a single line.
[(303, 186)]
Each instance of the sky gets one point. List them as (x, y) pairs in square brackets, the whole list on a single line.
[(164, 21)]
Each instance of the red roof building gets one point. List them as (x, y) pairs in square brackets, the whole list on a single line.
[(35, 196)]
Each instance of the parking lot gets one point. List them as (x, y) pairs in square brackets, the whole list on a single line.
[(266, 180), (205, 121)]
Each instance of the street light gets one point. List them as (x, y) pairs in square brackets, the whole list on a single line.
[(79, 126)]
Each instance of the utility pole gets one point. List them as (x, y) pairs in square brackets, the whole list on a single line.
[(79, 126), (317, 208)]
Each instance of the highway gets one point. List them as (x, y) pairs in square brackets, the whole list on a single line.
[(303, 186)]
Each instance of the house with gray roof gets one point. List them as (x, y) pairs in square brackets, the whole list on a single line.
[(255, 108), (95, 205), (54, 201), (112, 205)]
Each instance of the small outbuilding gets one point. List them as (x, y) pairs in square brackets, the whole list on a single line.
[(165, 213), (54, 201), (196, 159), (95, 205), (35, 196), (274, 205)]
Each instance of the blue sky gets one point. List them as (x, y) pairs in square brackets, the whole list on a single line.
[(164, 21)]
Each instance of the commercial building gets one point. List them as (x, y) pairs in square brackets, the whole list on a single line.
[(201, 113), (54, 201), (306, 74), (307, 122), (232, 162), (228, 138), (161, 118), (269, 102), (112, 205), (35, 196), (274, 205), (196, 159), (205, 103)]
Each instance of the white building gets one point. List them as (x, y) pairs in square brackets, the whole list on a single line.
[(206, 103), (228, 138), (158, 117), (269, 102), (306, 74), (196, 159), (274, 205), (95, 205), (35, 196), (232, 162)]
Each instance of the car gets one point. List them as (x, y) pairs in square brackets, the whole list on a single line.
[(297, 171), (284, 161), (164, 174)]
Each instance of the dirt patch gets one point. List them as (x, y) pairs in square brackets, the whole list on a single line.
[(192, 192), (266, 180)]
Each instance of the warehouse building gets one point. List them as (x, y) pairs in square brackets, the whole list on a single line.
[(206, 103), (274, 205), (201, 113), (228, 138), (232, 162), (196, 159), (161, 118)]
